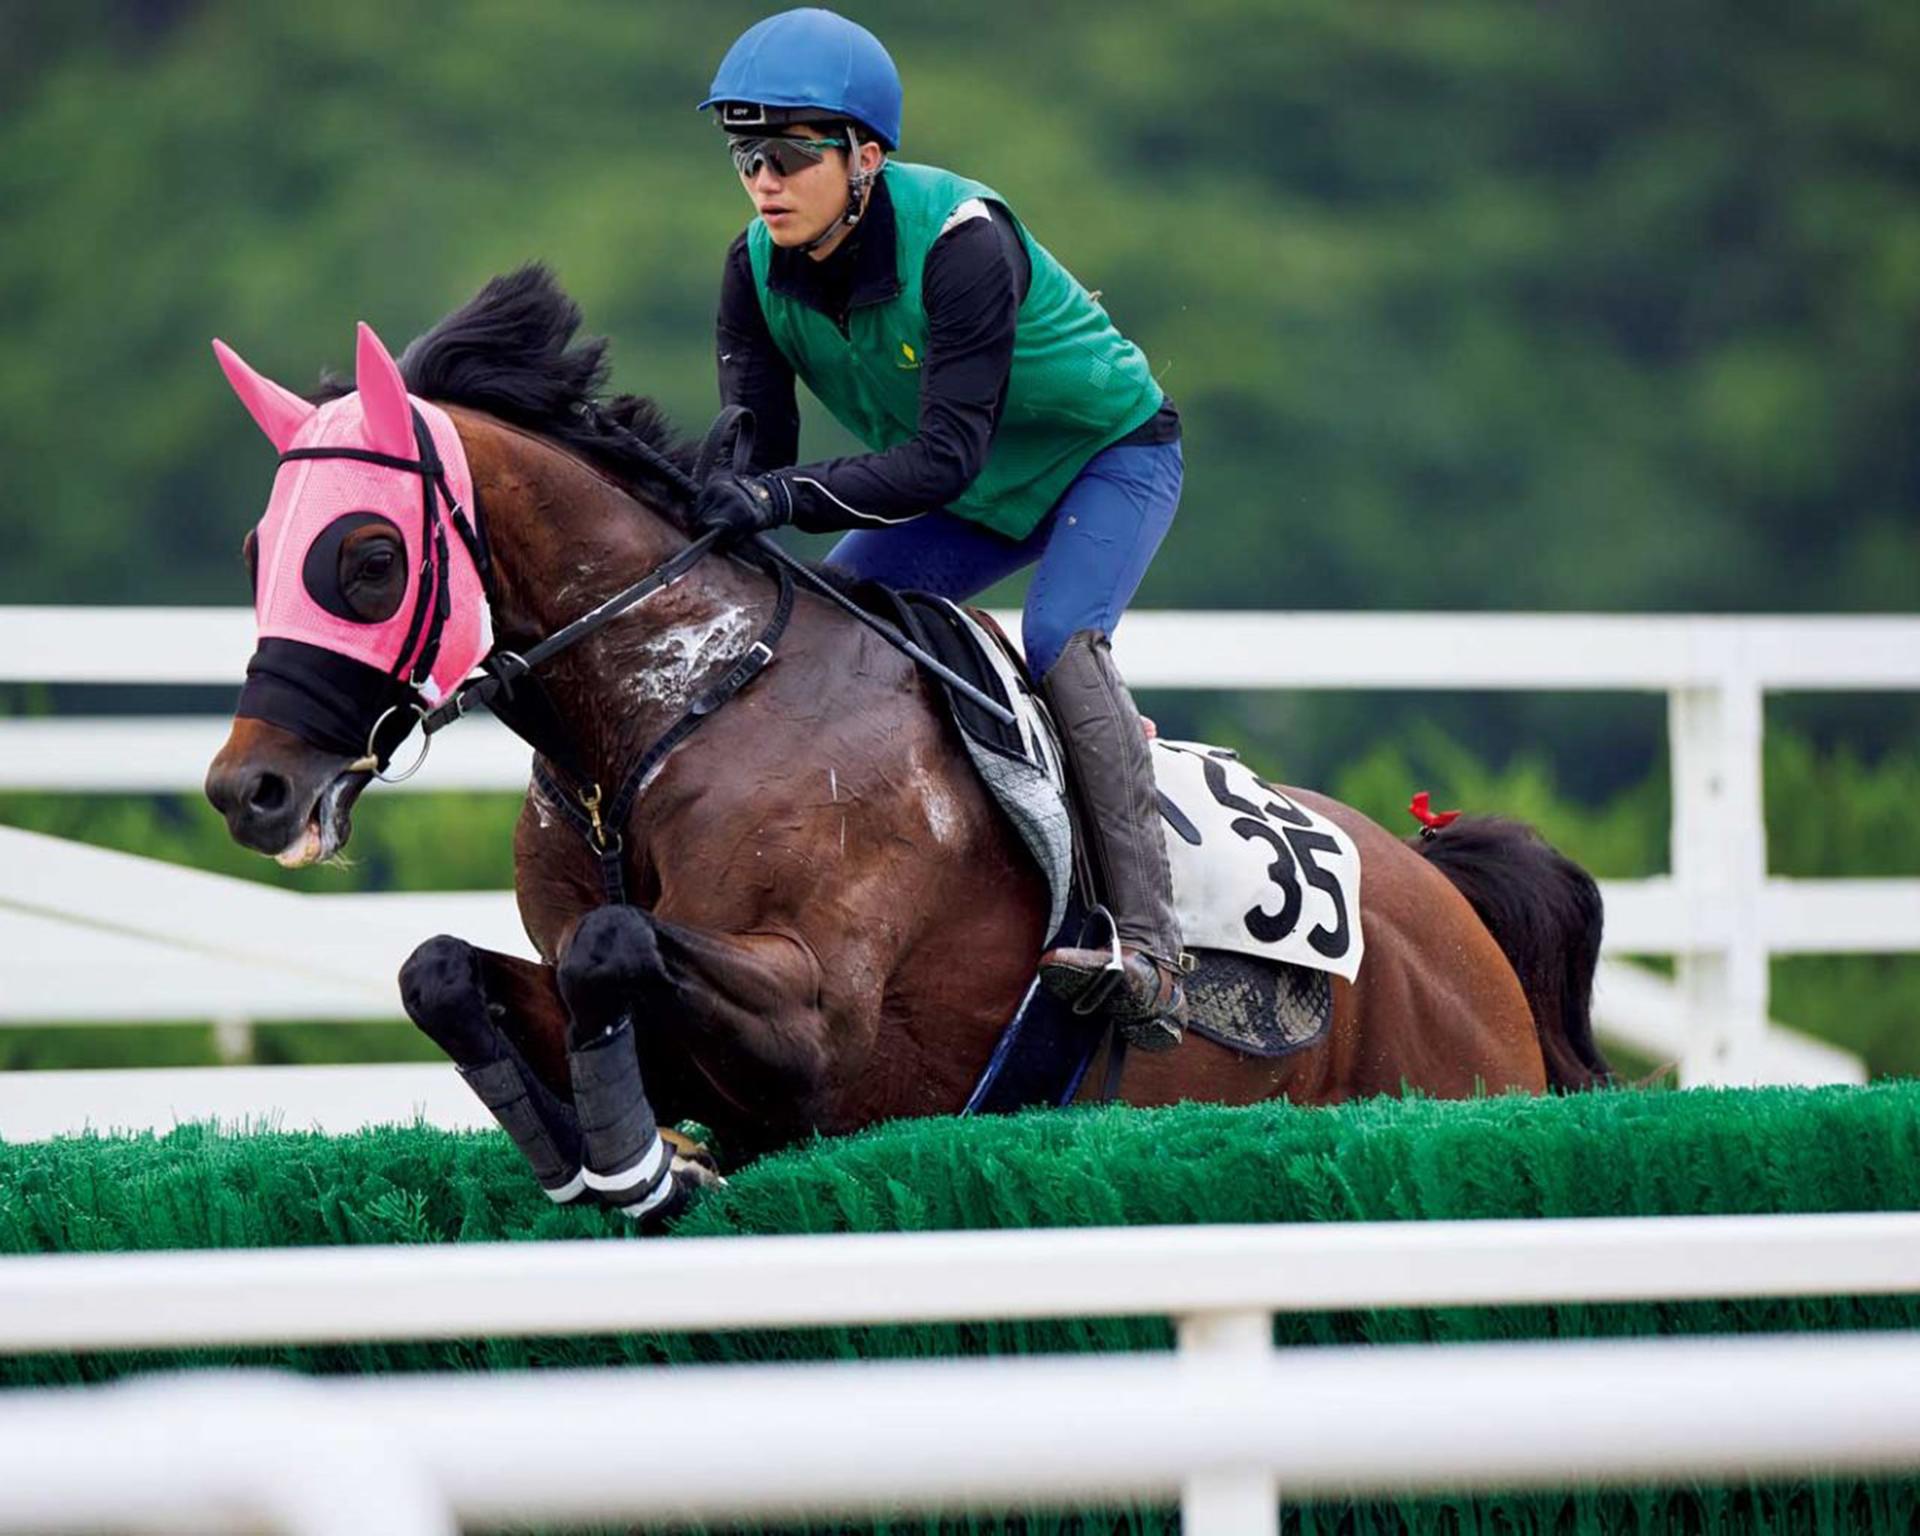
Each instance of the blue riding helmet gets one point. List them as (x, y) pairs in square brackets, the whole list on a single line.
[(813, 60)]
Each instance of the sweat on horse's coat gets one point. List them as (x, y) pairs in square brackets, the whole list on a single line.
[(676, 659)]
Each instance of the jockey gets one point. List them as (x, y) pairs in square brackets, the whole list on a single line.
[(1007, 423)]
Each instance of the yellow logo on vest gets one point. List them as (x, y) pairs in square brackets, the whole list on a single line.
[(908, 358)]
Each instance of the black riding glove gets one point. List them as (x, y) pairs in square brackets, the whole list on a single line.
[(742, 505)]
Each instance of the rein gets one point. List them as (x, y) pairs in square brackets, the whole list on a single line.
[(501, 671), (582, 802), (727, 427), (505, 668)]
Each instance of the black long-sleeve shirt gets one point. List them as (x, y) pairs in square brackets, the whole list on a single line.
[(976, 275)]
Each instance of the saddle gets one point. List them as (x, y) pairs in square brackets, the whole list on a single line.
[(1253, 1004)]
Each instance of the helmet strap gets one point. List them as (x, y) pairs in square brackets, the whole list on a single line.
[(859, 183)]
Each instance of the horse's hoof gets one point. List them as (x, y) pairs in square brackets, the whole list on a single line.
[(675, 1197), (692, 1155), (686, 1184)]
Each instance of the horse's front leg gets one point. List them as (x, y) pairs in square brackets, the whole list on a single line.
[(742, 1010), (503, 1023)]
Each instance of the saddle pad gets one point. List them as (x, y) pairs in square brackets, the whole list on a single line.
[(1021, 764), (1255, 1006), (1255, 872)]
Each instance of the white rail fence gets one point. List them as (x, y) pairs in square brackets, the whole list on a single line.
[(91, 936), (1226, 1424)]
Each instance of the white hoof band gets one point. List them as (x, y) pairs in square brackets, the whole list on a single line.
[(657, 1198), (635, 1178), (571, 1190)]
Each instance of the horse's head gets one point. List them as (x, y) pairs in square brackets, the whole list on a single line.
[(369, 604)]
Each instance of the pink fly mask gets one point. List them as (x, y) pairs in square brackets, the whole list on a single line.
[(374, 457)]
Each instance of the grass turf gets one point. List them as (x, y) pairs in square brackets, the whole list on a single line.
[(1617, 1153)]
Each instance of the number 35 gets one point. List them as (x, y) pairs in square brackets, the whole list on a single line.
[(1294, 849)]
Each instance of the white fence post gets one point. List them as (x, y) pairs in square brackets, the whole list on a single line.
[(233, 1038), (1228, 1501), (1719, 857)]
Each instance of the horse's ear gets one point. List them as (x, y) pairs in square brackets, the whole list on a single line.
[(383, 398), (280, 412)]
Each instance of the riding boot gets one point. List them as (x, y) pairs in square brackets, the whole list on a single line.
[(1136, 982)]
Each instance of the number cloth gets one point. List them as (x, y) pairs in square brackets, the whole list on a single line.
[(1254, 871)]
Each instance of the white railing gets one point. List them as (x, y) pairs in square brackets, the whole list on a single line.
[(1717, 913), (179, 1299), (1225, 1424)]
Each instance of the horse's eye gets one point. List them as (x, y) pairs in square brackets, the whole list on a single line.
[(350, 566)]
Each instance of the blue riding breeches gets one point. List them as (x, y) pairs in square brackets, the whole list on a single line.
[(1093, 548)]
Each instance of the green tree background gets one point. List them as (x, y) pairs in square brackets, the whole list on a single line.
[(1468, 305)]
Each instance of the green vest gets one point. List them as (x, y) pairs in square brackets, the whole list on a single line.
[(1077, 384)]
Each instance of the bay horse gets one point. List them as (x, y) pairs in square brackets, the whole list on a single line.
[(826, 923)]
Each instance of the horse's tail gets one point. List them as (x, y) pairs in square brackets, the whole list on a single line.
[(1544, 911)]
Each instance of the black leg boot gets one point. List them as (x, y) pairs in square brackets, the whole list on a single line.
[(444, 994), (1110, 765), (629, 1166)]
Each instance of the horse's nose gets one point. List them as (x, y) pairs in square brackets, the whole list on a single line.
[(256, 803), (268, 793)]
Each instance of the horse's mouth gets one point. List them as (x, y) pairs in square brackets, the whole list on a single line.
[(329, 825)]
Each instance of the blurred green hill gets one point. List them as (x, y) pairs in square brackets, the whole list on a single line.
[(1468, 305)]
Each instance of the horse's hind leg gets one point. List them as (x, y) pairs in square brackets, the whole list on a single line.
[(460, 997)]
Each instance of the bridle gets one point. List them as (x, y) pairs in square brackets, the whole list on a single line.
[(582, 801), (432, 601)]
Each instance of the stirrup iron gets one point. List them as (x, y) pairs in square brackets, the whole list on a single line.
[(1099, 991)]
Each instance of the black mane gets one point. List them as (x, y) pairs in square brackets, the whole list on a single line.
[(509, 351)]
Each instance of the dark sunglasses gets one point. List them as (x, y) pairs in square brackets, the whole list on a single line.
[(786, 155)]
